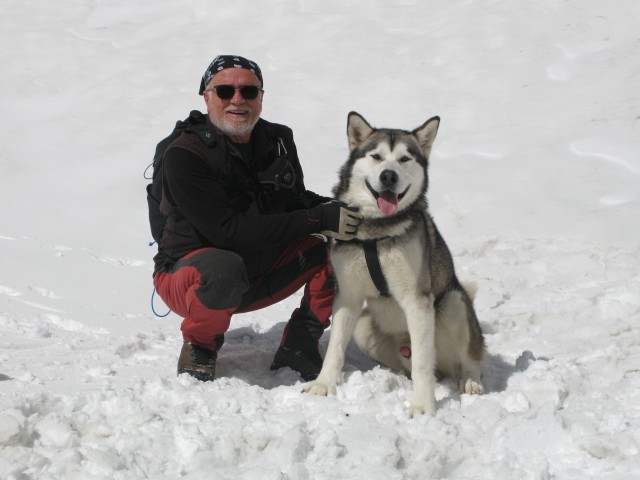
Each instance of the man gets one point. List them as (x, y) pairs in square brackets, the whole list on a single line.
[(242, 230)]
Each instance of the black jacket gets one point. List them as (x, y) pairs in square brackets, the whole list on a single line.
[(213, 197)]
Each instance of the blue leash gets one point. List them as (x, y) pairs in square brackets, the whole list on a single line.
[(153, 295), (153, 309)]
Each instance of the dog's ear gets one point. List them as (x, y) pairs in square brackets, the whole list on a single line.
[(357, 130), (426, 134)]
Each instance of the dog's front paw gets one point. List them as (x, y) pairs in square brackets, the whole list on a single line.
[(422, 405), (319, 388), (472, 386), (421, 408)]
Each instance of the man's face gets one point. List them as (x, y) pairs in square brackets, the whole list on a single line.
[(237, 116)]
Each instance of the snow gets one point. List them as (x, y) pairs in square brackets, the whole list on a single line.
[(535, 184)]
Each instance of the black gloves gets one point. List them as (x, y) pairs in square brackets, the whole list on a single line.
[(334, 219)]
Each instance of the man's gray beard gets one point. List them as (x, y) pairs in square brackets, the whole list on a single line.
[(233, 129)]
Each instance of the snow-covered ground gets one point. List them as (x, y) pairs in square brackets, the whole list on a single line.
[(535, 184)]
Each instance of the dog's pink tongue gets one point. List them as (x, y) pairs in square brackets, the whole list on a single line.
[(388, 202)]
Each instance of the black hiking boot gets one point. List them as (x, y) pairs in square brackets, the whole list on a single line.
[(299, 347), (307, 363), (197, 361)]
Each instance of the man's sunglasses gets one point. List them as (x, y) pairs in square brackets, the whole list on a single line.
[(226, 92)]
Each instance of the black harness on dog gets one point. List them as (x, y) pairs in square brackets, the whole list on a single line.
[(375, 270), (372, 258)]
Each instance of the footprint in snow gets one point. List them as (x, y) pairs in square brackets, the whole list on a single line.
[(9, 291), (44, 292)]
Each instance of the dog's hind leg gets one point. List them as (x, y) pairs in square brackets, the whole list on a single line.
[(459, 341), (383, 348)]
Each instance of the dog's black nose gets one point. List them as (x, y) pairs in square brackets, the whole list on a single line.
[(388, 178)]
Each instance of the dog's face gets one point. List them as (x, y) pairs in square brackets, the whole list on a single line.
[(387, 169)]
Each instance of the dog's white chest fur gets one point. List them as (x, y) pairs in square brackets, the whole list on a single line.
[(403, 268)]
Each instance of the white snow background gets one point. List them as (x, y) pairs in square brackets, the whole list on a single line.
[(535, 185)]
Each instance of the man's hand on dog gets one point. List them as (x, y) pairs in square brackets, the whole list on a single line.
[(336, 220)]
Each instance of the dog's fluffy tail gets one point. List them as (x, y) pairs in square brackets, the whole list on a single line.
[(471, 288)]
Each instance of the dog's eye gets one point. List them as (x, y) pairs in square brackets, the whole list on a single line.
[(405, 159), (375, 156)]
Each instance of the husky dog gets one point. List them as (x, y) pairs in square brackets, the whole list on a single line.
[(418, 318)]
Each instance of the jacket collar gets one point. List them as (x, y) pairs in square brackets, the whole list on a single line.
[(261, 142)]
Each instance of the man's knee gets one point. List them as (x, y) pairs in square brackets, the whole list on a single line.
[(223, 276)]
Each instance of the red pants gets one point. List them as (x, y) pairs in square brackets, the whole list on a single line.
[(209, 285)]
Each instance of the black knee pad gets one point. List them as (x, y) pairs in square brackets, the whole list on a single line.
[(223, 276)]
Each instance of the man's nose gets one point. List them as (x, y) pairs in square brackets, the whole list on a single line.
[(237, 97)]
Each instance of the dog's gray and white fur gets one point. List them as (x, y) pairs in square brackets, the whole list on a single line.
[(427, 324)]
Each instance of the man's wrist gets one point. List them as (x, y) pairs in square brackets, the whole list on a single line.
[(313, 219)]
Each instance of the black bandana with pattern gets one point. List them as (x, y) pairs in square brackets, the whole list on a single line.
[(228, 61)]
